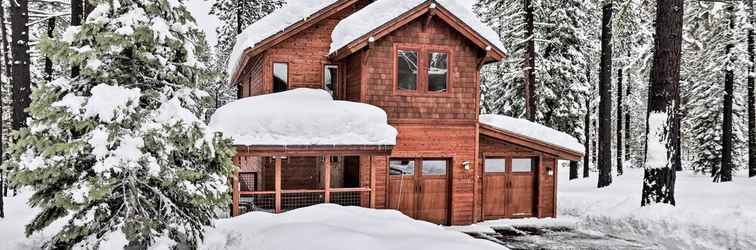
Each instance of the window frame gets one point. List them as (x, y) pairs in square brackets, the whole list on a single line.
[(273, 75), (423, 51), (334, 91)]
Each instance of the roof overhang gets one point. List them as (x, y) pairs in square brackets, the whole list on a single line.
[(493, 54), (537, 145), (289, 32), (313, 150)]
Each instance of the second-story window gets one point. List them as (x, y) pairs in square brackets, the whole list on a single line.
[(438, 71), (330, 78), (280, 77), (407, 69)]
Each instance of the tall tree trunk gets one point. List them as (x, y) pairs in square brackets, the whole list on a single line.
[(659, 175), (573, 170), (751, 93), (529, 65), (627, 119), (4, 65), (587, 156), (5, 46), (48, 62), (21, 74), (605, 104), (620, 130), (77, 9), (725, 172), (239, 27)]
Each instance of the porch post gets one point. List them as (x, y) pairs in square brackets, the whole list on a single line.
[(278, 184), (235, 196), (539, 182), (327, 173), (372, 183)]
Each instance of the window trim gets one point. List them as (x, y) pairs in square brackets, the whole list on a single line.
[(423, 51), (335, 89), (273, 75)]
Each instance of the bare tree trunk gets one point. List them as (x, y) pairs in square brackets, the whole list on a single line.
[(21, 74), (529, 65), (5, 47), (587, 156), (573, 170), (605, 104), (5, 65), (659, 176), (239, 90), (48, 62), (725, 172), (620, 155), (751, 94), (77, 9), (627, 115)]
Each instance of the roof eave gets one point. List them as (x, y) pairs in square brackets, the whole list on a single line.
[(559, 151)]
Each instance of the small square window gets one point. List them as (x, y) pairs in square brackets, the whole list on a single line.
[(407, 69), (496, 165), (523, 165), (438, 71), (402, 167)]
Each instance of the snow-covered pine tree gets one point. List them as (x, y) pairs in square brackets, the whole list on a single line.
[(118, 152)]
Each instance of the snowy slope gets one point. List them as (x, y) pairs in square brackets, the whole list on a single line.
[(302, 117), (533, 130), (707, 216), (383, 11)]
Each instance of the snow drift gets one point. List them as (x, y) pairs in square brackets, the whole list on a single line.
[(333, 227), (302, 117)]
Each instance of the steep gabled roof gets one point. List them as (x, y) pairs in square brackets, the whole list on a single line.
[(384, 16), (283, 23)]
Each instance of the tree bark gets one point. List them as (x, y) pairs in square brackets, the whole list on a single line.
[(5, 47), (529, 64), (573, 170), (239, 89), (48, 63), (587, 156), (659, 175), (620, 131), (21, 75), (77, 9), (725, 172), (751, 93), (627, 119), (605, 104), (4, 65)]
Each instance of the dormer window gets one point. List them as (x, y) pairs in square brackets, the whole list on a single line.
[(280, 77), (438, 71)]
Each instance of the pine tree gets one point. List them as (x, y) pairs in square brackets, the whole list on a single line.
[(605, 104), (118, 150), (659, 175), (751, 19)]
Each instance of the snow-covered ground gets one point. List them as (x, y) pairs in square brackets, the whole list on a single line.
[(707, 216)]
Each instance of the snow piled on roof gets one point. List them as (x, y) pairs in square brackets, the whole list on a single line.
[(302, 117), (383, 11), (272, 24), (333, 227), (533, 131)]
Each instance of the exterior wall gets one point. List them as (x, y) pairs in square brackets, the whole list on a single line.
[(545, 184), (353, 81), (459, 104), (252, 82), (305, 52)]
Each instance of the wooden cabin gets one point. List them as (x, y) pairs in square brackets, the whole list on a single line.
[(419, 61)]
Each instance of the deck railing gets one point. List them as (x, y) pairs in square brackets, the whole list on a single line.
[(265, 201)]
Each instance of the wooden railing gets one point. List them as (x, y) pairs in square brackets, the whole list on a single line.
[(265, 201)]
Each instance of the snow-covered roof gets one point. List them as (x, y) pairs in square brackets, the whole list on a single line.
[(302, 117), (272, 24), (383, 11), (533, 131)]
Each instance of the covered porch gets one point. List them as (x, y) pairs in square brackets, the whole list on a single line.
[(278, 179)]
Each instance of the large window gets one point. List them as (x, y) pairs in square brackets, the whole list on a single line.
[(407, 68), (438, 71), (280, 77)]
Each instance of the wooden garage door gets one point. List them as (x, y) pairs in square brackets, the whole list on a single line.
[(420, 188), (508, 187)]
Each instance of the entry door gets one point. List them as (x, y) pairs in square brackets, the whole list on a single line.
[(508, 187), (423, 191)]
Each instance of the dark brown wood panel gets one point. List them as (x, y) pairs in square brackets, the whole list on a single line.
[(495, 198), (522, 192)]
